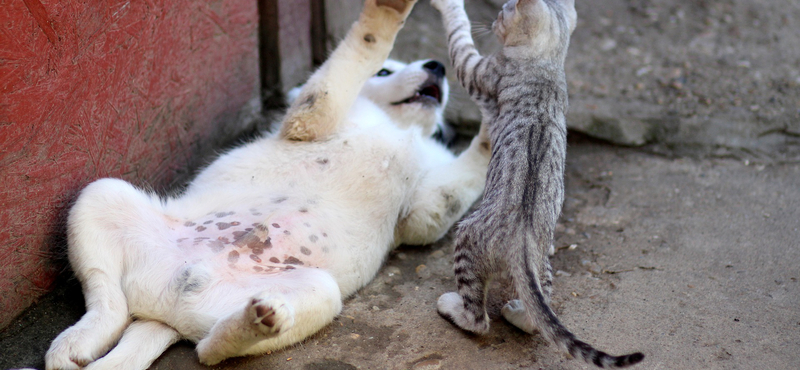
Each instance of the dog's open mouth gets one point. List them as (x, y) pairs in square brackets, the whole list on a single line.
[(428, 94)]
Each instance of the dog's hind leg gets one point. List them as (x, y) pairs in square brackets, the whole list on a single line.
[(141, 344), (105, 218), (290, 307), (326, 98)]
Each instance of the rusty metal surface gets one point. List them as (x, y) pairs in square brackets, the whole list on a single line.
[(92, 89)]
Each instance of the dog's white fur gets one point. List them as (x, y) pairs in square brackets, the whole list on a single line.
[(259, 250)]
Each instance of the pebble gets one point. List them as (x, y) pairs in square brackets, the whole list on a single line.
[(423, 271)]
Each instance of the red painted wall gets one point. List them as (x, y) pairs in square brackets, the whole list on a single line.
[(97, 88)]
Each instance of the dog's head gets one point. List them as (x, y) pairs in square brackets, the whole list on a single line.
[(412, 94)]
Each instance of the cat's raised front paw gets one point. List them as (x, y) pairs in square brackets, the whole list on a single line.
[(440, 5)]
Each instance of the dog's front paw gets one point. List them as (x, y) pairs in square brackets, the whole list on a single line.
[(401, 6), (388, 10), (271, 315), (68, 351)]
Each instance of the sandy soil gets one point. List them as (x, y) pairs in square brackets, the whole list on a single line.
[(693, 262)]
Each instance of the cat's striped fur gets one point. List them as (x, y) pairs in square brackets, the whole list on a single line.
[(522, 93)]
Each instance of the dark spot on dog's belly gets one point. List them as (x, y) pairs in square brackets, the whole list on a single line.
[(251, 240), (279, 200), (207, 222), (370, 38), (309, 100), (200, 228), (223, 214), (313, 238), (255, 258), (287, 232), (258, 268), (305, 251), (292, 261), (452, 204), (189, 224), (216, 246), (276, 226), (226, 225), (233, 256), (274, 260), (189, 281)]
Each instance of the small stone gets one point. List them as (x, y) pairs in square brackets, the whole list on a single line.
[(354, 336), (423, 271), (437, 254), (431, 364), (608, 44)]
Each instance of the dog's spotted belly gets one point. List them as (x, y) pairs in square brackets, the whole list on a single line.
[(253, 241)]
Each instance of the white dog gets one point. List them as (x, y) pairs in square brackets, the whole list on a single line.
[(259, 250)]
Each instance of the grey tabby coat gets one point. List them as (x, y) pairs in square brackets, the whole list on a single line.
[(522, 94)]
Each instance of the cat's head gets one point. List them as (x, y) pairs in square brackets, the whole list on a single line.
[(539, 26), (412, 94)]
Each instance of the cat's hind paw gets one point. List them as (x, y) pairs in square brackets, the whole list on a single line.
[(451, 307), (514, 312), (271, 315)]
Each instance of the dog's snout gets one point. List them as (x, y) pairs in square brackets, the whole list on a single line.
[(435, 67)]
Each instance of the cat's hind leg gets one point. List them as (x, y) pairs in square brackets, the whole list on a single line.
[(327, 97), (141, 344), (99, 226), (467, 308), (295, 305)]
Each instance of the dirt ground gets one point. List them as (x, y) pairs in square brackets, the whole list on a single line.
[(685, 248), (693, 262)]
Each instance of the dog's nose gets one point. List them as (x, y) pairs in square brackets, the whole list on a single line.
[(435, 67)]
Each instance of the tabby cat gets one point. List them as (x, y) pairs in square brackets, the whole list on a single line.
[(522, 93)]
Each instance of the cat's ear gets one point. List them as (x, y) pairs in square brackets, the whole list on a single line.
[(522, 5), (572, 15)]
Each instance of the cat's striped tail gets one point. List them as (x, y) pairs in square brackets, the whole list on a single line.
[(532, 312)]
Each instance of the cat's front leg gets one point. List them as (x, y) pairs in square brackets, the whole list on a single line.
[(471, 68), (323, 102)]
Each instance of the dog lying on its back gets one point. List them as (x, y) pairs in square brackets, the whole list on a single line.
[(260, 249)]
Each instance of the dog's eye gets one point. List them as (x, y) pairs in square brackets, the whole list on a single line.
[(383, 73)]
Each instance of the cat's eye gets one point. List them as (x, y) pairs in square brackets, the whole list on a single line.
[(383, 73)]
